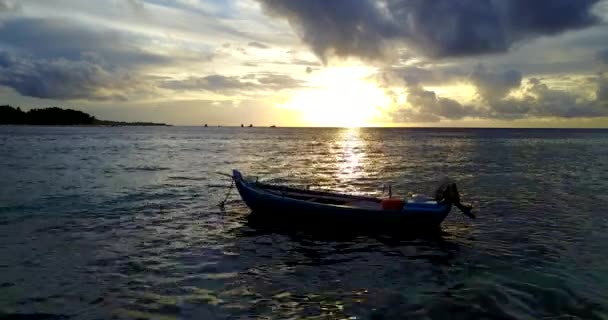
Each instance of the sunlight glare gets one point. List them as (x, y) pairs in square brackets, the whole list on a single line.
[(341, 98)]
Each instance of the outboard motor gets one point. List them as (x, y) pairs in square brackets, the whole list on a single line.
[(448, 192)]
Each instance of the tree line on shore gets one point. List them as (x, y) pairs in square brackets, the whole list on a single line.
[(56, 116)]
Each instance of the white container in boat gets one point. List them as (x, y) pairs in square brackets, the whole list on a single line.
[(418, 197)]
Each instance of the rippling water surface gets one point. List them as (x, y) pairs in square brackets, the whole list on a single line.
[(100, 223)]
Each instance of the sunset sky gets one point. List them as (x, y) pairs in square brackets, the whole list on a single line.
[(508, 63)]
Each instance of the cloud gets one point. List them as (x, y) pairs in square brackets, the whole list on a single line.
[(214, 83), (535, 99), (300, 62), (137, 5), (402, 115), (343, 28), (303, 62), (54, 38), (413, 75), (62, 79), (603, 56), (233, 84), (425, 106), (439, 28), (493, 85), (280, 81), (258, 45), (539, 100), (63, 59), (9, 5), (602, 91)]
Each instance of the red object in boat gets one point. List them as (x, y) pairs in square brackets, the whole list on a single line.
[(392, 204)]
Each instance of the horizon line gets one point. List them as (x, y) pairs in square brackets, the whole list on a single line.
[(382, 127)]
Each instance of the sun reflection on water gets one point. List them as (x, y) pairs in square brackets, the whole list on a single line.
[(350, 157)]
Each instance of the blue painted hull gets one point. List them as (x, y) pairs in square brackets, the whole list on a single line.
[(272, 205)]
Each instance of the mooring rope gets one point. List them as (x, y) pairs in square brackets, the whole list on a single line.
[(222, 203)]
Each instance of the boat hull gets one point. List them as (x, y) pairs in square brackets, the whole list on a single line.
[(273, 207)]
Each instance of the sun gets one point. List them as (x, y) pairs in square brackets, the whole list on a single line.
[(339, 97)]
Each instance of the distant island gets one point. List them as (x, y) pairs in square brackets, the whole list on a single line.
[(59, 117)]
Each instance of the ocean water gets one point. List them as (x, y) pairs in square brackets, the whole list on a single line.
[(123, 222)]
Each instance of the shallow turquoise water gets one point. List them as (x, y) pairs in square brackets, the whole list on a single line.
[(122, 222)]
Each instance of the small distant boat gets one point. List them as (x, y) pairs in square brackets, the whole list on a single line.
[(294, 205), (250, 126), (206, 125), (273, 126)]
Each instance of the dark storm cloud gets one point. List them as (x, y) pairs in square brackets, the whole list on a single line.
[(258, 45), (439, 28), (344, 27), (61, 79)]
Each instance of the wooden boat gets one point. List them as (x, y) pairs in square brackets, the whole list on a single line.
[(317, 207)]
